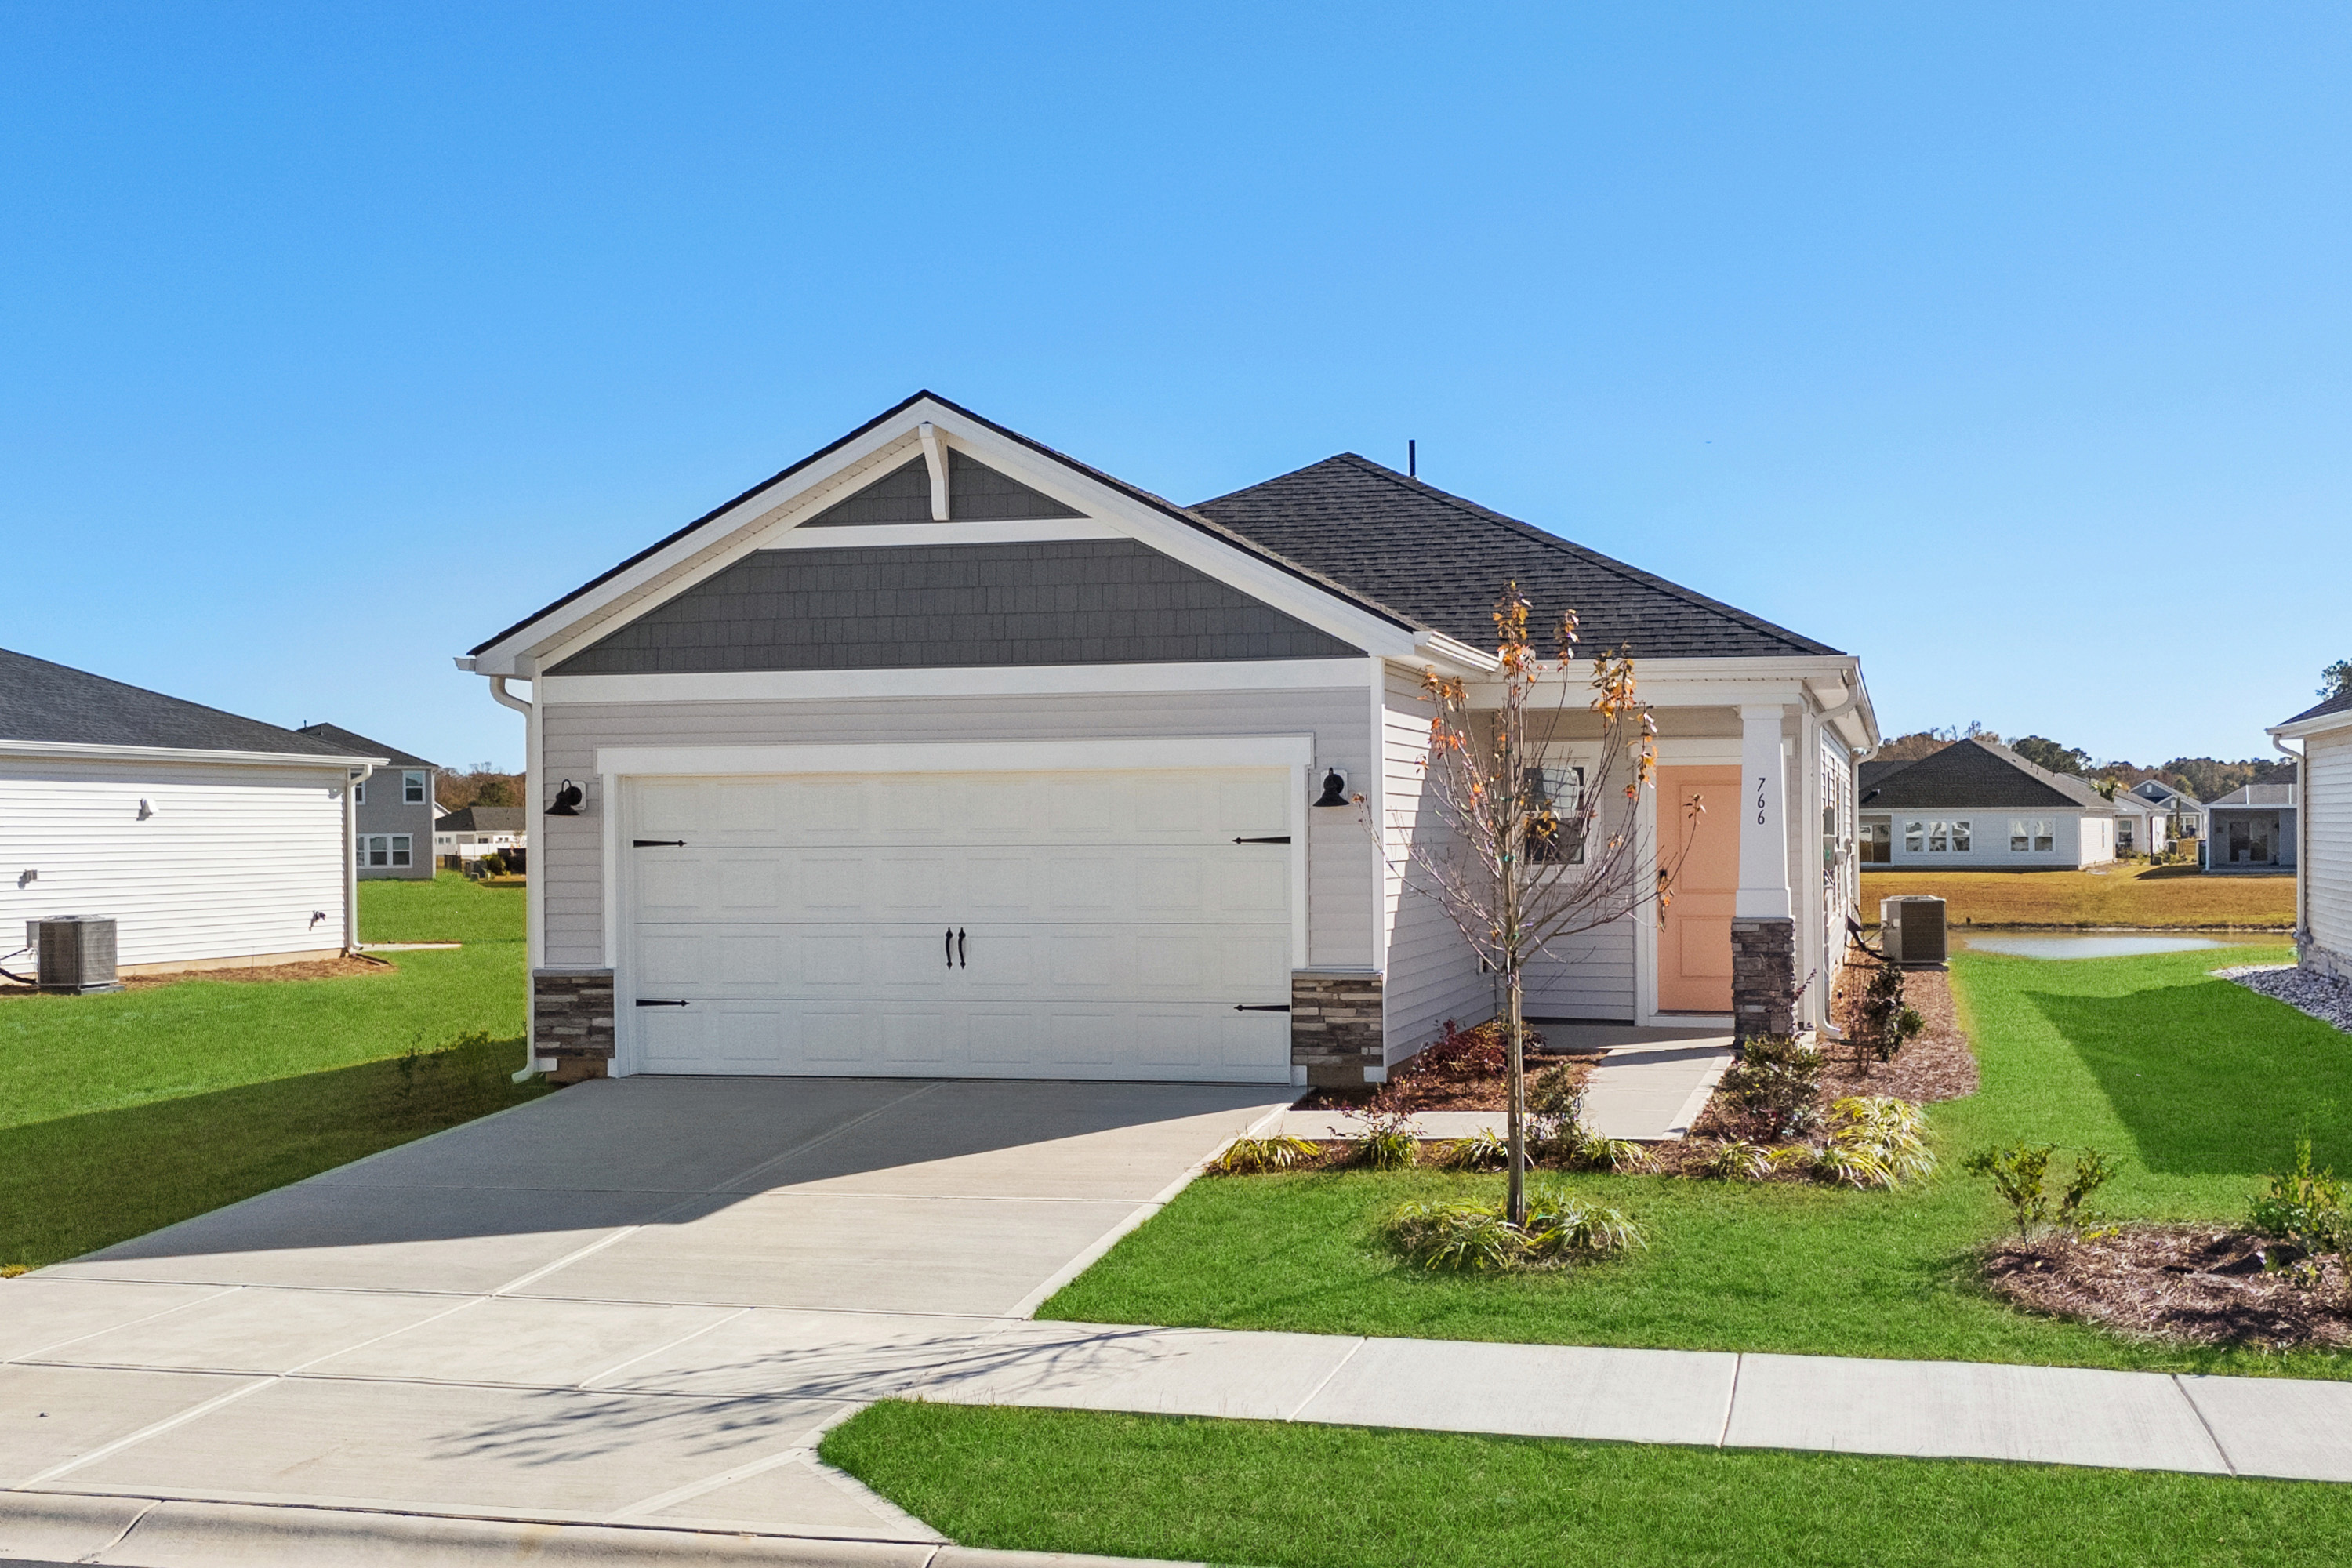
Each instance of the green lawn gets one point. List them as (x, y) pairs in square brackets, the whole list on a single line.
[(2196, 1084), (1274, 1494), (120, 1113), (449, 908)]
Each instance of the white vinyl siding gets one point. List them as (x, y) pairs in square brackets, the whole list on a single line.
[(2061, 839), (1432, 975), (2328, 869), (230, 862), (1341, 857)]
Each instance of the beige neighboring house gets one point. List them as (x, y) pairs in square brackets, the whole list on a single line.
[(2323, 827), (471, 832)]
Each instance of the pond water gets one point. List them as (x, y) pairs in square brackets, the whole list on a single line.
[(2094, 944)]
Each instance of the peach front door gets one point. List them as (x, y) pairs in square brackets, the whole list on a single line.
[(1695, 943)]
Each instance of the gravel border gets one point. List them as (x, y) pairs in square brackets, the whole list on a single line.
[(2299, 988)]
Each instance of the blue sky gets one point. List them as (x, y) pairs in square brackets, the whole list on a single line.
[(2004, 346)]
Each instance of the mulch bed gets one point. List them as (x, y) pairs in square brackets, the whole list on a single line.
[(2183, 1284), (324, 969), (1936, 1063)]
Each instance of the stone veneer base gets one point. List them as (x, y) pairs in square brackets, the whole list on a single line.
[(1763, 977), (572, 1022), (1338, 1029)]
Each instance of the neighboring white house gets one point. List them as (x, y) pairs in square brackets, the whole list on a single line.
[(471, 832), (940, 753), (2252, 829), (2143, 826), (2323, 924), (211, 840), (1978, 806)]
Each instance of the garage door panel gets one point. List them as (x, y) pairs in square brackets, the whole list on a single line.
[(1111, 925)]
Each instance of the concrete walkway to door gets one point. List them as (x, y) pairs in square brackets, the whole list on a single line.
[(634, 1303)]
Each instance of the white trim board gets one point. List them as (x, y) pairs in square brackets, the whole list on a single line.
[(896, 533), (979, 681), (1296, 751)]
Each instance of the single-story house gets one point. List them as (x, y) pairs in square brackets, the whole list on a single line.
[(2252, 829), (942, 753), (471, 832), (2142, 825), (2185, 813), (211, 840), (2322, 923), (396, 809), (1978, 806)]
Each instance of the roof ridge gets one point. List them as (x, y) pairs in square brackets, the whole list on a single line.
[(1583, 552)]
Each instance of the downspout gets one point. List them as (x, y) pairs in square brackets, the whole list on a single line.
[(353, 779), (533, 891), (2302, 849), (1855, 758)]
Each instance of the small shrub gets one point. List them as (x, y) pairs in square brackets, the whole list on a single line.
[(1890, 1131), (1739, 1161), (2304, 1208), (1556, 1109), (1254, 1156), (1776, 1078), (2019, 1173), (1884, 1021), (1611, 1154), (1387, 1141), (1475, 1238), (1462, 1053), (1484, 1151)]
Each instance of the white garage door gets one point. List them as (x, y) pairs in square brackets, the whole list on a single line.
[(1131, 925)]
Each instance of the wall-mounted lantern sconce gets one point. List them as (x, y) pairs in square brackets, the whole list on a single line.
[(145, 811), (1335, 788), (567, 800)]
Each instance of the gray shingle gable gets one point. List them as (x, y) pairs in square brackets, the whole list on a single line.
[(60, 705), (1976, 774), (1440, 561)]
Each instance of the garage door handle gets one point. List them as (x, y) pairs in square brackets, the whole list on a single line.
[(644, 1002), (947, 945), (1270, 1007), (959, 960), (650, 843), (1278, 838)]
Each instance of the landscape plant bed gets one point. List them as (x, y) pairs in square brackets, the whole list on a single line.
[(2178, 1284), (343, 967), (1463, 1071)]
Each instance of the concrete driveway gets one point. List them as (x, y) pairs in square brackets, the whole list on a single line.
[(631, 1303)]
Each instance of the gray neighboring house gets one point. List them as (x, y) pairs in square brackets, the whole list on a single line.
[(395, 837), (2252, 829), (2185, 813), (1978, 806)]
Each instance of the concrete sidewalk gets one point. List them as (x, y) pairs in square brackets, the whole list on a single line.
[(1651, 1086)]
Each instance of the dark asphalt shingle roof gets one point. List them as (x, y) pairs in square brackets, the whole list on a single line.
[(63, 706), (1974, 775), (2339, 703), (481, 819), (1441, 560), (360, 745)]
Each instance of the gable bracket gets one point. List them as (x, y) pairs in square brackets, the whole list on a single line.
[(935, 459)]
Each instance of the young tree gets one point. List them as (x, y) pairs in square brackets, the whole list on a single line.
[(1528, 855)]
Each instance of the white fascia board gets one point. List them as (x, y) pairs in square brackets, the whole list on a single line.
[(1706, 682), (1014, 680), (78, 753), (1121, 755), (937, 534), (541, 641), (2323, 724)]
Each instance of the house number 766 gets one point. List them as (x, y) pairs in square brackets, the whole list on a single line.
[(1760, 800)]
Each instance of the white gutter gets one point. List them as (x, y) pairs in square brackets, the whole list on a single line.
[(2298, 792), (75, 751), (1832, 715), (353, 778), (1443, 649), (534, 888)]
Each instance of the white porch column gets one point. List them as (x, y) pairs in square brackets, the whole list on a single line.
[(1763, 818)]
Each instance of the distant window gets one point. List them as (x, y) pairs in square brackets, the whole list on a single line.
[(359, 795), (384, 849), (1876, 840), (412, 788), (2030, 835), (1960, 838), (1915, 838)]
